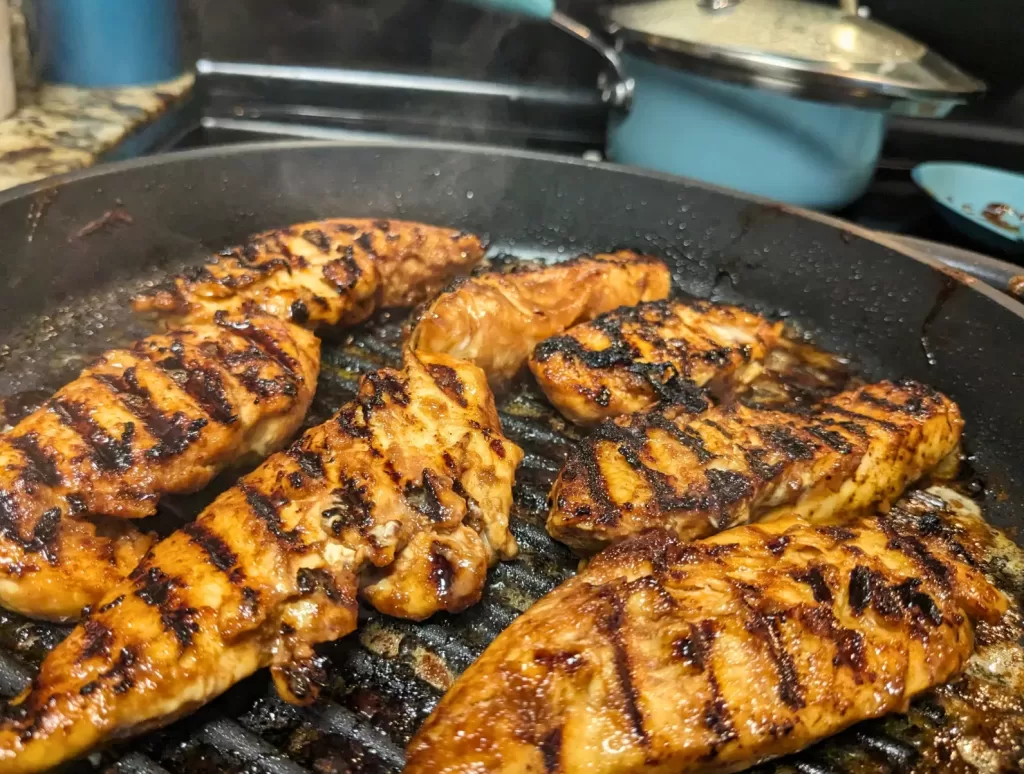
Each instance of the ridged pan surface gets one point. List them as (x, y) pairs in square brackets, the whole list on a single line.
[(75, 252)]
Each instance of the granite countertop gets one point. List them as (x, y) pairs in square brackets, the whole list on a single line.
[(58, 129)]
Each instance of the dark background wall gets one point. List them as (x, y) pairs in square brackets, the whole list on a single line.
[(446, 37)]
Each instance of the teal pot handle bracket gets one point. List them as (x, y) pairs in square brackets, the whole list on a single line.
[(615, 84), (536, 9)]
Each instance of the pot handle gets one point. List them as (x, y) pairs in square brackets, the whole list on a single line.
[(616, 86)]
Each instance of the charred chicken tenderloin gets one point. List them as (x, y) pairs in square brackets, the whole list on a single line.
[(163, 416), (320, 274), (403, 496), (716, 655), (496, 318), (628, 359), (696, 475)]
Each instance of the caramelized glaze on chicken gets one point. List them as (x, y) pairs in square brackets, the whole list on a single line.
[(161, 417), (323, 273), (697, 475), (406, 491), (495, 319), (713, 656), (628, 359)]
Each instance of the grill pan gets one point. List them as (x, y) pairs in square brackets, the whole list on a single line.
[(76, 249)]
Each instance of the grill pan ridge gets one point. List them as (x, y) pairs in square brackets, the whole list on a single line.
[(385, 678)]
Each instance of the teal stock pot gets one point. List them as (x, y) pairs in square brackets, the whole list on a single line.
[(785, 99)]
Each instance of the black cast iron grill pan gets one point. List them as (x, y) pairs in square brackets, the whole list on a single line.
[(64, 299)]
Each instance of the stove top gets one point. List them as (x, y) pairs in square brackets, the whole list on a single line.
[(244, 102)]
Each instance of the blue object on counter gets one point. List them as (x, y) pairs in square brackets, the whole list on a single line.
[(985, 204), (109, 42)]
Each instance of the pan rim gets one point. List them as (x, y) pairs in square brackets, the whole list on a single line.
[(26, 190)]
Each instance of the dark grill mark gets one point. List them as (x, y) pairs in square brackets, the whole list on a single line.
[(174, 434), (766, 628), (828, 408), (351, 420), (922, 557), (310, 461), (353, 508), (611, 627), (665, 496), (365, 241), (915, 405), (154, 586), (115, 602), (821, 621), (299, 312), (267, 511), (182, 623), (860, 589), (786, 441), (343, 273), (265, 388), (121, 674), (717, 717), (424, 497), (831, 438), (721, 430), (39, 465), (695, 649), (385, 384), (96, 639), (756, 459), (261, 339), (689, 438), (318, 239), (88, 688), (156, 590), (44, 534), (838, 534), (619, 353), (728, 486), (777, 545), (551, 749), (309, 580), (112, 454), (868, 587), (813, 577), (442, 572), (203, 385), (448, 382), (219, 553)]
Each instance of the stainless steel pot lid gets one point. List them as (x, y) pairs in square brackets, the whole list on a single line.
[(796, 47)]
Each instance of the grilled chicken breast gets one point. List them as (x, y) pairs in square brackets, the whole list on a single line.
[(161, 417), (697, 475), (406, 491), (495, 319), (628, 359), (713, 656), (322, 273)]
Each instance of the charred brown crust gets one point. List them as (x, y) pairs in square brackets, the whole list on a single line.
[(667, 467), (811, 638), (320, 274), (664, 351)]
